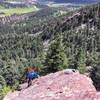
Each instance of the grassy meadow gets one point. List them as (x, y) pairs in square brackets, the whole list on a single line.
[(18, 10)]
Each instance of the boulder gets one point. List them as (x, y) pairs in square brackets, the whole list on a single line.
[(63, 85)]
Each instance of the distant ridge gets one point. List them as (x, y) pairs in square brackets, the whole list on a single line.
[(56, 1), (71, 1)]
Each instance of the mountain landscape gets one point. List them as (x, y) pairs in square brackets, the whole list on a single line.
[(57, 37), (73, 1), (55, 1)]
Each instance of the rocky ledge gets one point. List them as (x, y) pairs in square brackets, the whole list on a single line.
[(63, 85)]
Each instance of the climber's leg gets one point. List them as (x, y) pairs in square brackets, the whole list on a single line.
[(29, 82)]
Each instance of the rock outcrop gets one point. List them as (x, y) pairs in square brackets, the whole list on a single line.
[(64, 85)]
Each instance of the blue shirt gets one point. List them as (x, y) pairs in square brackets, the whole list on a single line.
[(31, 75)]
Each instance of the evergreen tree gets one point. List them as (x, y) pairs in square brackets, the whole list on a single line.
[(10, 74), (81, 61), (56, 58), (2, 81)]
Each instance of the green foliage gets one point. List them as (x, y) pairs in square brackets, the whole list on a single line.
[(82, 61), (56, 59), (95, 73), (5, 89), (2, 81), (22, 43), (11, 74)]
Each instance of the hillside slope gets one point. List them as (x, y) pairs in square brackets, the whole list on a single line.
[(24, 42), (63, 85)]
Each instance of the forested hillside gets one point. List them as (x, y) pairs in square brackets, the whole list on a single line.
[(50, 43), (75, 1)]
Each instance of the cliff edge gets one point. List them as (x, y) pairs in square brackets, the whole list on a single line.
[(63, 85)]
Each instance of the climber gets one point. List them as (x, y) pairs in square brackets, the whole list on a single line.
[(31, 74)]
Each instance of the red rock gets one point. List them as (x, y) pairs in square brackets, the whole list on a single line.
[(63, 85)]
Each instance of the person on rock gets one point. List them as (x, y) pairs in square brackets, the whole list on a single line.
[(31, 73)]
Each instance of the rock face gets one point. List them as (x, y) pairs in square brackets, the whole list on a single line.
[(64, 85)]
